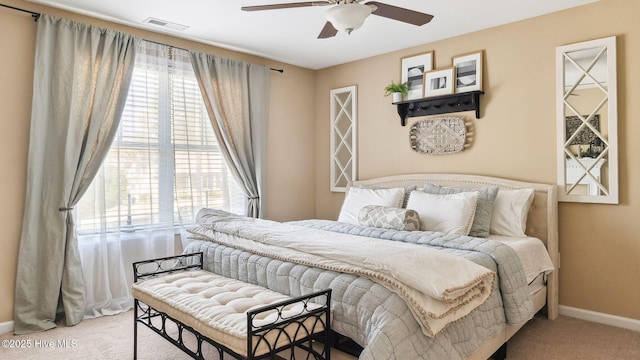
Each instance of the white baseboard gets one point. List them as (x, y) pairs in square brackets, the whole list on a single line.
[(601, 318), (6, 327)]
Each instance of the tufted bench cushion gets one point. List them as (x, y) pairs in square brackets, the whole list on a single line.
[(217, 306)]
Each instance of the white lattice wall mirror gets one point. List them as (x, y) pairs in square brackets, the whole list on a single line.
[(344, 122), (587, 120)]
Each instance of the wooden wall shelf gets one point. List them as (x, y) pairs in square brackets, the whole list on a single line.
[(439, 105)]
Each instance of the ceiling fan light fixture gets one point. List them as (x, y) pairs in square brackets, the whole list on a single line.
[(348, 17)]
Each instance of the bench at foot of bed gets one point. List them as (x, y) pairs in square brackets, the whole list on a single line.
[(243, 320)]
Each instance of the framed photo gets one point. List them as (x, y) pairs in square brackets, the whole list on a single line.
[(411, 71), (468, 72), (439, 82)]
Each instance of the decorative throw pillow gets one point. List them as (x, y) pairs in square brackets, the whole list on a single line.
[(451, 214), (387, 217), (357, 198), (407, 192), (486, 198), (510, 211)]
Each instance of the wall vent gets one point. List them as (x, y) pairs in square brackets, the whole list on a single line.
[(165, 24)]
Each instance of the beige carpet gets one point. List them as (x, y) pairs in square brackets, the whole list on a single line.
[(110, 337), (568, 338)]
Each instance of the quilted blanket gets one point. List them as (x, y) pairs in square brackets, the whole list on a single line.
[(515, 294), (370, 313), (438, 287)]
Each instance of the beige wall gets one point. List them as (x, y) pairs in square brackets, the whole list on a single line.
[(290, 147), (15, 95), (516, 138)]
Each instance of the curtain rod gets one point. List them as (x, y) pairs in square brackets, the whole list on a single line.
[(36, 16), (179, 48)]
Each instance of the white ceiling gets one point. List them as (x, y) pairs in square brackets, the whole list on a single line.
[(290, 35)]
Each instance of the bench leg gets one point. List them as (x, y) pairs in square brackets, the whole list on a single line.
[(135, 329)]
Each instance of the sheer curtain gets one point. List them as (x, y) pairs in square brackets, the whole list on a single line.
[(81, 76), (163, 166)]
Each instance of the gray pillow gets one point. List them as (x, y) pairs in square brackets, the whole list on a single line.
[(387, 217), (484, 208)]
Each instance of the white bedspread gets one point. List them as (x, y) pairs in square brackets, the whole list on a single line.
[(438, 287), (532, 253)]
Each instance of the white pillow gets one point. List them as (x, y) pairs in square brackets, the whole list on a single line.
[(450, 213), (357, 198), (510, 210)]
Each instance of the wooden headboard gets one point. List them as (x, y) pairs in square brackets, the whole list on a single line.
[(542, 220)]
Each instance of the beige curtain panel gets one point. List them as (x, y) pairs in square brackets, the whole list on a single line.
[(236, 95), (81, 78)]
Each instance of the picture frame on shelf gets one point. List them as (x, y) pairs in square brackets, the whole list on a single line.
[(468, 71), (439, 82), (412, 69)]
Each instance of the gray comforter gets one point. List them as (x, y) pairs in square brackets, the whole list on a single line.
[(370, 314)]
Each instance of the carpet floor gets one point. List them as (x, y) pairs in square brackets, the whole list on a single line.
[(110, 337)]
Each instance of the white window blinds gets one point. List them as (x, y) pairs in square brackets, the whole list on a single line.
[(164, 164)]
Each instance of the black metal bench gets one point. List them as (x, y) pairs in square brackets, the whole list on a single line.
[(176, 290)]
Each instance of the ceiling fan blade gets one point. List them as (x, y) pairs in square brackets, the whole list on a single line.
[(400, 14), (286, 6), (327, 31)]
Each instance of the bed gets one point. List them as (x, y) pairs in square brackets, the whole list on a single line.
[(370, 309)]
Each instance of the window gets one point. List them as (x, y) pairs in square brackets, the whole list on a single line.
[(164, 163)]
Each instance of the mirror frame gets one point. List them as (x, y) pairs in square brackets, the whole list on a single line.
[(612, 197), (344, 143)]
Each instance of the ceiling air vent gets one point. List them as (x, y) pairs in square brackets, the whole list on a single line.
[(165, 24)]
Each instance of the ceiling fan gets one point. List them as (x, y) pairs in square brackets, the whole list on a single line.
[(349, 15)]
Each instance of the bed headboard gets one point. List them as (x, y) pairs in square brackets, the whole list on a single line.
[(542, 221)]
